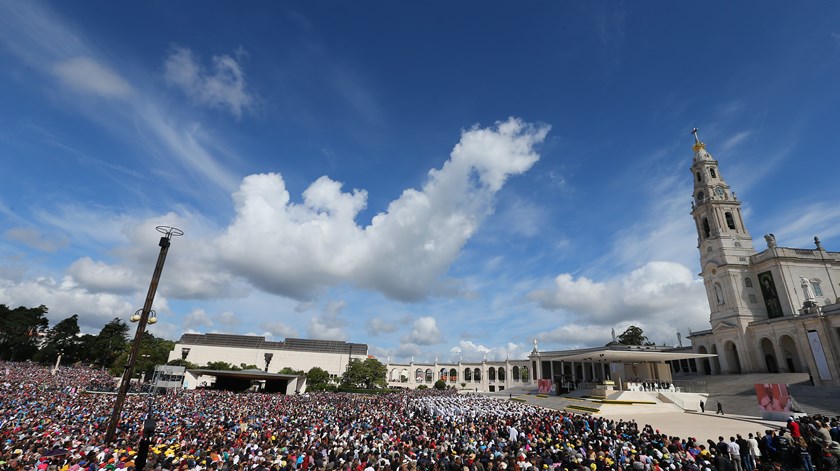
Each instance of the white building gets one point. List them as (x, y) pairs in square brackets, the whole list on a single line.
[(297, 354), (483, 376), (771, 311)]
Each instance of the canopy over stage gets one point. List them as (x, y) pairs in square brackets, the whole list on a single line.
[(619, 363), (230, 380)]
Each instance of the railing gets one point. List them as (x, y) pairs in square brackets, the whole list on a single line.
[(666, 396)]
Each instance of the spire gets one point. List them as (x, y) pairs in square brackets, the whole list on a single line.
[(698, 144)]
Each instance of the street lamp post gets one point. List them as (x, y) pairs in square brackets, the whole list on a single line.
[(168, 232), (57, 361)]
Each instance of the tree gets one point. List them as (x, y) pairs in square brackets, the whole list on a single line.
[(20, 329), (62, 338), (368, 374), (317, 379), (153, 351), (634, 336), (289, 371), (185, 363), (440, 384), (111, 341), (221, 365), (246, 366)]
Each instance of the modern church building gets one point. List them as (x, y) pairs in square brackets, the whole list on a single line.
[(771, 311)]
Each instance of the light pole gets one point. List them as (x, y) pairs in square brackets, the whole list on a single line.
[(57, 361), (142, 318)]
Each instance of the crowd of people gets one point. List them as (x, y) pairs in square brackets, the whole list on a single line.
[(49, 423)]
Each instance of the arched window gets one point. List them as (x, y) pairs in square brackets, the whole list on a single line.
[(815, 285), (699, 178), (719, 293), (700, 196), (501, 374), (712, 172), (429, 375), (730, 221), (707, 231), (418, 375), (442, 374), (515, 373), (477, 375), (468, 374), (526, 375), (748, 283), (453, 375), (491, 374)]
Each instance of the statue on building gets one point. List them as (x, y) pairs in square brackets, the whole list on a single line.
[(818, 243), (612, 331), (679, 339), (412, 359), (535, 345), (807, 290), (771, 240)]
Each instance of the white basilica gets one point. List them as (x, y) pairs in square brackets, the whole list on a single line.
[(771, 311)]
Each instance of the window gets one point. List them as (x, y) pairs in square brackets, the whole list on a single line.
[(712, 173), (730, 221), (700, 196), (753, 299), (699, 178), (817, 288), (706, 230), (748, 283)]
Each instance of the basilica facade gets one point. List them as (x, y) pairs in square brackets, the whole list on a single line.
[(777, 310)]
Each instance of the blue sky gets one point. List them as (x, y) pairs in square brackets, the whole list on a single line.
[(432, 179)]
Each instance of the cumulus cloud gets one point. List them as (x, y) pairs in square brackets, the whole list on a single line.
[(86, 75), (198, 318), (65, 298), (376, 326), (467, 350), (661, 297), (279, 329), (99, 276), (222, 87), (329, 325), (404, 250), (425, 331)]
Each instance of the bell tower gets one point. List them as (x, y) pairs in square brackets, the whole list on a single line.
[(724, 243)]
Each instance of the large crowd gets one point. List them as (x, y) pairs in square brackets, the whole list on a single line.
[(50, 423)]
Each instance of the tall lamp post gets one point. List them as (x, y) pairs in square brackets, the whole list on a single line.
[(142, 318)]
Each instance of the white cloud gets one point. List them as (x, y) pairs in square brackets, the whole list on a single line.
[(198, 318), (223, 87), (35, 239), (403, 252), (329, 325), (279, 330), (470, 351), (86, 75), (376, 326), (425, 331), (98, 276), (228, 319), (65, 298), (661, 296)]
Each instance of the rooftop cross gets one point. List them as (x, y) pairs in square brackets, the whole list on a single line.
[(696, 139)]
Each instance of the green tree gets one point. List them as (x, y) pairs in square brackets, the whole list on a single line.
[(634, 336), (153, 351), (109, 344), (440, 384), (63, 338), (367, 374), (20, 329), (185, 363), (317, 379), (289, 371), (221, 365), (246, 366)]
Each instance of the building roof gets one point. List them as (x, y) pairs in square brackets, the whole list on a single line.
[(632, 355), (247, 374), (259, 342)]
